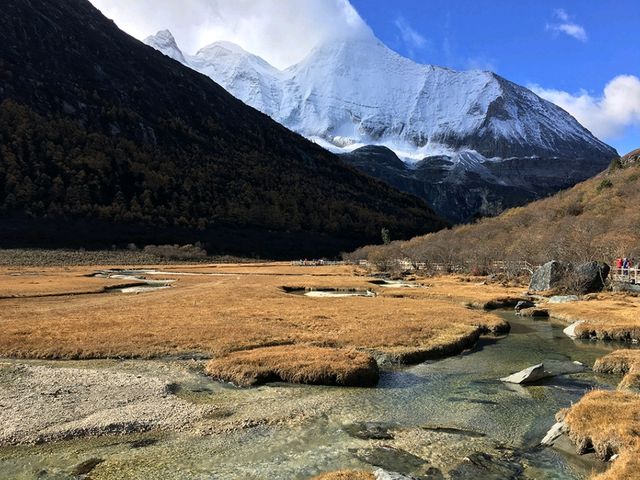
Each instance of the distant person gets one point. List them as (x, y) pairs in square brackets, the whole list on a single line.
[(619, 264), (625, 266)]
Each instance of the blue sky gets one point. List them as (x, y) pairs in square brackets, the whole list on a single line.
[(570, 48)]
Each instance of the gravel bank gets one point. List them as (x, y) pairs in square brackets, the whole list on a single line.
[(42, 404)]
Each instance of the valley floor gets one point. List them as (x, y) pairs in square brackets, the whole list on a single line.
[(84, 359)]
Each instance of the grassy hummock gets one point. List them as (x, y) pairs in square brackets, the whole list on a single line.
[(296, 364)]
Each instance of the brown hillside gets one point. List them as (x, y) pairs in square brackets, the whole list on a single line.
[(598, 219)]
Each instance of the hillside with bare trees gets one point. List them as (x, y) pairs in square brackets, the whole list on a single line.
[(598, 219)]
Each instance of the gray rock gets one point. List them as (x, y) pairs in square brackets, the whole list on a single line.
[(570, 331), (528, 375), (581, 278), (564, 298), (548, 276), (368, 431), (391, 459), (553, 434), (486, 467), (524, 304), (381, 474), (592, 276)]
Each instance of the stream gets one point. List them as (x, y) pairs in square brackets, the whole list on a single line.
[(443, 409)]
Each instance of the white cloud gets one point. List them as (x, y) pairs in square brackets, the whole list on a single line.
[(411, 38), (566, 26), (576, 31), (606, 116), (280, 31), (561, 14)]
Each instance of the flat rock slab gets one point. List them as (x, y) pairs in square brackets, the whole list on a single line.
[(381, 474), (391, 459), (528, 375), (563, 298)]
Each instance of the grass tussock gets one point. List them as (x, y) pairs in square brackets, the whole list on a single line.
[(626, 467), (626, 362), (296, 364), (606, 316), (346, 475), (618, 362), (607, 422)]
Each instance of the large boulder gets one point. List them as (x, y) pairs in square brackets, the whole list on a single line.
[(548, 276), (591, 276), (577, 278)]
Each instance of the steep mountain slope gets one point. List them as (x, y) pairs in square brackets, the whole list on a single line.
[(354, 92), (467, 189), (102, 131), (597, 219)]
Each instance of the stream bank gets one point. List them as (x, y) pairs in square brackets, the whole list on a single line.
[(419, 420)]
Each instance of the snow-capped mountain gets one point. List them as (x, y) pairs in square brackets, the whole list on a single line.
[(164, 42), (356, 92)]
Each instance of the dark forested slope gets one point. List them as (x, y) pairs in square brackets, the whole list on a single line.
[(103, 139)]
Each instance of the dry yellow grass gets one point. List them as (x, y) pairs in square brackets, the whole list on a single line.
[(608, 422), (245, 308), (626, 467), (607, 316), (346, 475), (31, 283), (296, 364), (618, 362), (625, 362), (468, 290)]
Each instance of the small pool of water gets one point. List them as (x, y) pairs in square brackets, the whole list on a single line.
[(140, 283), (460, 393), (330, 292)]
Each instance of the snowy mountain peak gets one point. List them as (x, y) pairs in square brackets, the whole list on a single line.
[(354, 91), (222, 48), (166, 43), (220, 53)]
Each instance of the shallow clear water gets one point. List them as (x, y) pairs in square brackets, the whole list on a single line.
[(458, 392)]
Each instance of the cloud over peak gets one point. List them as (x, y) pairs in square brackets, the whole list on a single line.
[(607, 116), (410, 37), (283, 32)]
